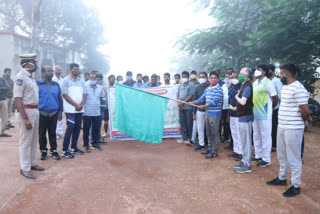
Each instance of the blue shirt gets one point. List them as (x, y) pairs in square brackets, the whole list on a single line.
[(246, 93), (50, 99), (143, 85), (213, 97), (233, 90)]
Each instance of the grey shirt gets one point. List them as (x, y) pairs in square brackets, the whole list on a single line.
[(185, 91), (92, 104)]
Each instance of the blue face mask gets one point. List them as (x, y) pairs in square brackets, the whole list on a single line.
[(92, 82), (100, 82)]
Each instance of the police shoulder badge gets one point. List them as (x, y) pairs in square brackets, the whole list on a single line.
[(19, 82)]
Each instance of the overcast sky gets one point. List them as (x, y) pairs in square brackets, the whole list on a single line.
[(141, 33)]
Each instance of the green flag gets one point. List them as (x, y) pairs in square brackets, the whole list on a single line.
[(140, 114)]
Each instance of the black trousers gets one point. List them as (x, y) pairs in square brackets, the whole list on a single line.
[(225, 125), (274, 127), (186, 123), (48, 124)]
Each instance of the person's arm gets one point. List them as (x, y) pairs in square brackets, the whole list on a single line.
[(274, 101), (305, 112), (4, 87), (242, 101), (22, 112), (60, 105), (246, 93), (69, 100), (301, 96), (273, 94)]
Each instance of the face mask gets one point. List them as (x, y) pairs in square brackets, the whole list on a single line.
[(214, 82), (29, 69), (92, 82), (193, 76), (129, 78), (58, 73), (241, 78), (257, 73), (268, 74), (99, 82), (139, 81), (202, 80), (167, 80), (184, 80), (234, 81), (284, 80)]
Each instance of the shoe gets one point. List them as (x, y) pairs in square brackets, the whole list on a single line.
[(256, 159), (237, 165), (86, 148), (244, 169), (43, 155), (291, 192), (199, 148), (234, 155), (277, 182), (96, 146), (102, 141), (263, 164), (76, 151), (105, 134), (10, 125), (54, 154), (180, 141), (37, 168), (67, 154), (190, 143), (7, 127), (225, 140), (238, 158), (211, 155), (27, 174), (5, 135), (205, 152)]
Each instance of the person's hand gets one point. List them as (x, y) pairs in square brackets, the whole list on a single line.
[(237, 95), (202, 107), (27, 124), (180, 105), (189, 103), (232, 108), (194, 117), (306, 122), (59, 116)]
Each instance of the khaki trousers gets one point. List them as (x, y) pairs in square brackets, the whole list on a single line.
[(28, 139), (9, 100), (3, 115)]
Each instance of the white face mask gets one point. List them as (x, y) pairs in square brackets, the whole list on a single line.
[(257, 73), (202, 80), (184, 80), (234, 81)]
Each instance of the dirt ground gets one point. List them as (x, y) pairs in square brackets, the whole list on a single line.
[(136, 177)]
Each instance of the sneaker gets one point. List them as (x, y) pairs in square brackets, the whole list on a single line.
[(234, 155), (199, 148), (67, 154), (211, 155), (102, 141), (10, 125), (205, 152), (244, 169), (105, 134), (43, 155), (256, 159), (277, 182), (96, 146), (77, 151), (54, 154), (291, 192), (190, 143), (237, 165), (86, 148), (263, 164), (180, 141)]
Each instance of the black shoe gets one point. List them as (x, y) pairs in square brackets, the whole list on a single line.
[(67, 154), (102, 141), (233, 155), (205, 152), (263, 164), (77, 151), (277, 182), (10, 125), (54, 154), (256, 159), (199, 148), (43, 155), (211, 155), (86, 148), (291, 192), (96, 146)]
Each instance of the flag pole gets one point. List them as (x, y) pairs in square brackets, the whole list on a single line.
[(183, 102)]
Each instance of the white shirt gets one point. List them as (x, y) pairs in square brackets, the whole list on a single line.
[(59, 81), (225, 96), (278, 85), (292, 96)]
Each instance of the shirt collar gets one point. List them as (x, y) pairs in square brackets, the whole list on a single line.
[(212, 87), (26, 72)]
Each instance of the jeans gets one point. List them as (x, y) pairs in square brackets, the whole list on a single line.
[(93, 123), (73, 129), (50, 124)]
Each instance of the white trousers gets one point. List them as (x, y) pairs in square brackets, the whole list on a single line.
[(194, 130), (262, 139), (201, 116), (234, 127), (59, 130), (289, 154)]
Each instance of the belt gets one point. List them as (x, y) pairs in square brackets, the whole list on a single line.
[(31, 106)]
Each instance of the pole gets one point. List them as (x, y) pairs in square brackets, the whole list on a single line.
[(183, 102)]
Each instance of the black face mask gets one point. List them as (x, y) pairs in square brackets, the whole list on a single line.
[(284, 80), (268, 74)]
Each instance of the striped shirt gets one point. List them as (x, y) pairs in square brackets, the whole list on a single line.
[(292, 96), (213, 97)]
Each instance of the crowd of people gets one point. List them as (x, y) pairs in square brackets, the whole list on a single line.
[(246, 107)]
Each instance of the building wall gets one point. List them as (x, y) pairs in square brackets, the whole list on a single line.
[(6, 52)]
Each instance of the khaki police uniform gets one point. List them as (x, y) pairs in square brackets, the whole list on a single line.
[(26, 88)]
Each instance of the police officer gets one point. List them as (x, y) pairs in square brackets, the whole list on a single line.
[(27, 99)]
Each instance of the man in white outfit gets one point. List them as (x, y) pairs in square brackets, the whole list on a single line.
[(57, 78)]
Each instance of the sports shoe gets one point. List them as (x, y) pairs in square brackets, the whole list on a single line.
[(277, 182), (67, 154), (76, 151), (86, 148), (105, 134), (263, 164), (180, 141), (244, 169), (43, 155), (205, 152), (256, 159), (96, 146), (237, 165), (54, 154), (190, 143), (199, 148), (291, 192), (211, 155), (10, 125), (102, 141), (234, 155)]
